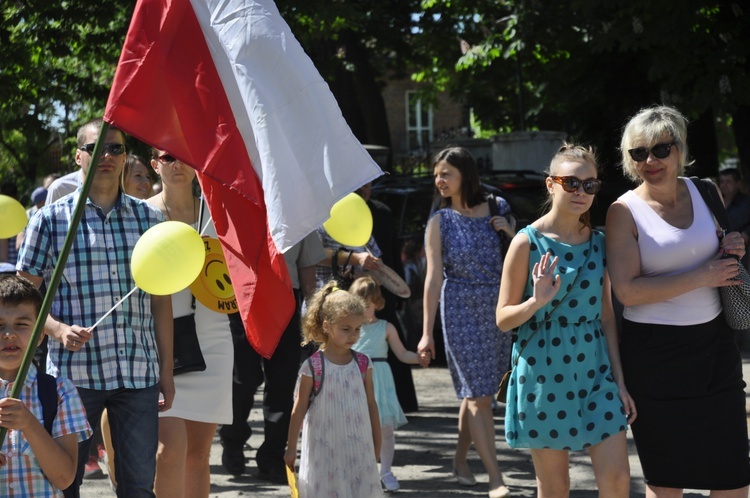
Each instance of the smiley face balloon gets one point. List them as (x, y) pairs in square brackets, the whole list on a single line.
[(213, 287)]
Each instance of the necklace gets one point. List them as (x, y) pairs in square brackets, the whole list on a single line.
[(169, 215)]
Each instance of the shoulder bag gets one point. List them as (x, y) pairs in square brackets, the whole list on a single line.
[(188, 356), (735, 299)]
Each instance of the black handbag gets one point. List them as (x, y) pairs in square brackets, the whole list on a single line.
[(343, 275), (187, 350), (735, 299)]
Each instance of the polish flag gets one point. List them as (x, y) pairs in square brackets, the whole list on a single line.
[(225, 87)]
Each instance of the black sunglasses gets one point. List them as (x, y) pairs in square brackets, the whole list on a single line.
[(660, 151), (113, 149), (571, 184), (166, 158)]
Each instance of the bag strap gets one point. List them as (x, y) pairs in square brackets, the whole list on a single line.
[(317, 367), (707, 189), (494, 211), (46, 387), (361, 362), (335, 260), (572, 286)]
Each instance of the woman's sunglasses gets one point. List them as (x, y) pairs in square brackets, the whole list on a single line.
[(660, 151), (571, 184)]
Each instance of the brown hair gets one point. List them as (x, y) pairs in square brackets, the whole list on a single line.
[(96, 124), (328, 304), (577, 154), (369, 290), (472, 193), (130, 162), (15, 290)]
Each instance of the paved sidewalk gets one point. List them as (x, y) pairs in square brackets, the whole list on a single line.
[(424, 450)]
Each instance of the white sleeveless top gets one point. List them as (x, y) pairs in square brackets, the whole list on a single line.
[(667, 250)]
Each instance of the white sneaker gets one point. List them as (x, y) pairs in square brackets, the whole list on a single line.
[(390, 482)]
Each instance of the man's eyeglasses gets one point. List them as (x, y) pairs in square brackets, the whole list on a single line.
[(166, 158), (113, 149), (571, 184), (660, 151)]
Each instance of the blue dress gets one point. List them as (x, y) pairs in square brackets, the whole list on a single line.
[(477, 351), (562, 394), (373, 343)]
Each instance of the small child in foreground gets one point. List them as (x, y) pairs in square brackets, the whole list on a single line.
[(335, 398), (36, 460)]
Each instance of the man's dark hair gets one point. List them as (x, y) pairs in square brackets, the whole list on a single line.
[(95, 123), (15, 290)]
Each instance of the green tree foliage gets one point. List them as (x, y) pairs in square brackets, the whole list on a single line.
[(585, 66), (58, 62), (581, 66)]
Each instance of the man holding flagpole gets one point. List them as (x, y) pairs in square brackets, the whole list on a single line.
[(126, 362)]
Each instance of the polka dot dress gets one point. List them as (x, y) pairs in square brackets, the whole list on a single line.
[(562, 393)]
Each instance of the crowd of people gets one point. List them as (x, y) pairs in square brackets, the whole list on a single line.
[(534, 301)]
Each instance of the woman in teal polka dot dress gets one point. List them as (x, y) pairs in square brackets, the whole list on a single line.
[(566, 391)]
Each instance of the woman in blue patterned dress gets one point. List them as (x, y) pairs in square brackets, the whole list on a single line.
[(566, 391), (464, 263)]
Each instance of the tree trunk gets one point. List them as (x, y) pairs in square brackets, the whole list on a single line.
[(704, 148), (741, 128)]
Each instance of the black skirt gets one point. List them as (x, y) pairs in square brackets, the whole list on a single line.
[(686, 381)]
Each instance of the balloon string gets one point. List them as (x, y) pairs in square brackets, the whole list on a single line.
[(118, 303), (200, 217)]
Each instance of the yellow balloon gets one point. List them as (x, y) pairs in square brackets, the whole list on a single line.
[(13, 217), (167, 258), (350, 223)]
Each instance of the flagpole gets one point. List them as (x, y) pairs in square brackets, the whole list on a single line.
[(57, 272)]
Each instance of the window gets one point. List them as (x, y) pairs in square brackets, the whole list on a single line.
[(418, 123)]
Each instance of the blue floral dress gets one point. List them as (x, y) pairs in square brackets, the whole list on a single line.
[(562, 394), (477, 351)]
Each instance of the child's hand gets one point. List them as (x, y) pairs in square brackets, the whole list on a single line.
[(290, 457), (424, 359), (3, 460), (14, 414)]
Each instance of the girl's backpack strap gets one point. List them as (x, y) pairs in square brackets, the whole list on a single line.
[(362, 361), (317, 367)]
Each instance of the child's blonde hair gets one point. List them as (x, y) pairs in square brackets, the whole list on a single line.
[(369, 290), (328, 305)]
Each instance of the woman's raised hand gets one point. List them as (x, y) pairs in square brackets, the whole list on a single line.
[(546, 282)]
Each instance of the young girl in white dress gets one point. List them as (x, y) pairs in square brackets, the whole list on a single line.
[(341, 437), (374, 339)]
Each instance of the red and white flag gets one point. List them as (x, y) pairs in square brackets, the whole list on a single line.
[(225, 87)]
